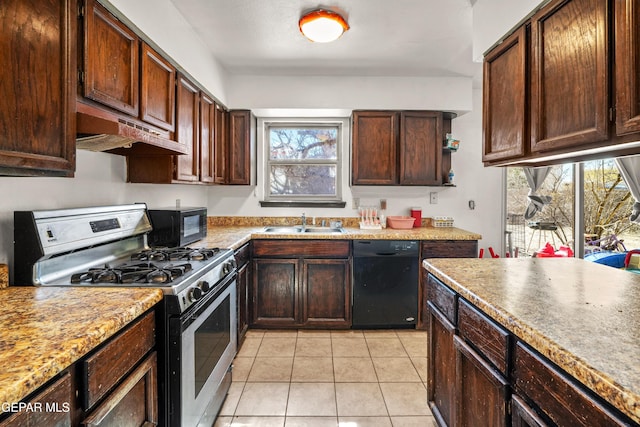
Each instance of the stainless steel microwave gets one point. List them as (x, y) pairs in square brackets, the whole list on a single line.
[(177, 227)]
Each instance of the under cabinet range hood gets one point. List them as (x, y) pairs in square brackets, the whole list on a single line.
[(100, 130)]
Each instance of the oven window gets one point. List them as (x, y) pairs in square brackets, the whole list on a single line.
[(191, 225), (211, 339)]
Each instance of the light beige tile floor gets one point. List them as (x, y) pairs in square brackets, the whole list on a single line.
[(329, 379)]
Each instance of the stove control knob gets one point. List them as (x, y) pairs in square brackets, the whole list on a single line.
[(195, 294), (228, 266), (204, 286)]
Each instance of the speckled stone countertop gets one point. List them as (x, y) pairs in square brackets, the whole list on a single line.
[(43, 330), (233, 236), (585, 317)]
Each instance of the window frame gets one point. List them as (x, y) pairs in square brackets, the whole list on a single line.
[(265, 163)]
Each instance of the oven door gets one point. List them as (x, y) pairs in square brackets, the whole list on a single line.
[(208, 346)]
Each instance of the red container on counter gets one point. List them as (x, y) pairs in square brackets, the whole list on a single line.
[(417, 214)]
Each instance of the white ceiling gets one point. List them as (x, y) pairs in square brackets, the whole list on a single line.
[(387, 37)]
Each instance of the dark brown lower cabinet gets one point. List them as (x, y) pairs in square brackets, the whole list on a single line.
[(482, 393), (298, 284), (441, 377)]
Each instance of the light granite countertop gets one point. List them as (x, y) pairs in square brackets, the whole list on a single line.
[(233, 236), (583, 316), (43, 330)]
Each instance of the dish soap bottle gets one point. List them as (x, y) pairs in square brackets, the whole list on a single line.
[(382, 215), (451, 175)]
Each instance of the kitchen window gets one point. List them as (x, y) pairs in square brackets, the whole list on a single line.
[(302, 162)]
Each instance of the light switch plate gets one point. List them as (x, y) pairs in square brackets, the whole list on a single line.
[(433, 198)]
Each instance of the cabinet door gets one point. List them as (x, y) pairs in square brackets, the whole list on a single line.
[(55, 401), (374, 145), (421, 138), (481, 392), (239, 147), (111, 68), (326, 298), (207, 138), (523, 416), (504, 100), (441, 366), (133, 403), (222, 143), (627, 66), (187, 104), (157, 91), (37, 97), (275, 292), (570, 75)]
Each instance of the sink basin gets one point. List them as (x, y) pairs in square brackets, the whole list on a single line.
[(323, 230), (286, 229)]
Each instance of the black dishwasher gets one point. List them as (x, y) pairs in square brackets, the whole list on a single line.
[(385, 283)]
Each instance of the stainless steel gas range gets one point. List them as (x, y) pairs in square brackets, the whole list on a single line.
[(107, 246)]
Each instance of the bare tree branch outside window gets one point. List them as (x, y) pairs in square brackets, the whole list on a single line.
[(303, 161)]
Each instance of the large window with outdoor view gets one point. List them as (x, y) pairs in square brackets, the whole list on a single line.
[(302, 161), (541, 208)]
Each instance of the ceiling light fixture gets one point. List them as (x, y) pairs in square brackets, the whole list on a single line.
[(322, 25)]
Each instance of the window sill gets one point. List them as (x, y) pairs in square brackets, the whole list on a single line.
[(301, 204)]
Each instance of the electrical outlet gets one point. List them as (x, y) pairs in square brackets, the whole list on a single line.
[(355, 203), (433, 198)]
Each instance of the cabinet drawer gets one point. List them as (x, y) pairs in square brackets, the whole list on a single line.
[(563, 401), (134, 402), (301, 248), (242, 255), (54, 402), (449, 249), (442, 297), (489, 339), (105, 368)]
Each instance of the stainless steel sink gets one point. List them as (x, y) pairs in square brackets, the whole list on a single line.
[(287, 229), (324, 230), (284, 229)]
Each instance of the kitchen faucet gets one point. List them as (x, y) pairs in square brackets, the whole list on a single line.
[(304, 221)]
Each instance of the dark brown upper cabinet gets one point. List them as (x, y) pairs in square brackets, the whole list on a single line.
[(157, 89), (374, 148), (580, 85), (240, 146), (504, 103), (569, 75), (421, 138), (221, 144), (398, 147), (37, 96), (207, 138), (111, 60), (187, 132), (627, 38)]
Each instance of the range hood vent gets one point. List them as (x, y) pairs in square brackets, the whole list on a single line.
[(99, 130)]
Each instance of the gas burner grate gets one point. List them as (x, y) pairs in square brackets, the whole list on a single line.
[(175, 254), (133, 273)]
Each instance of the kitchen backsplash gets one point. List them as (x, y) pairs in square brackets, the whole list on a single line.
[(257, 221)]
